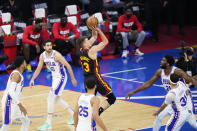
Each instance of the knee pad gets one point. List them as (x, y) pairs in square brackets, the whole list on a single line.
[(111, 98)]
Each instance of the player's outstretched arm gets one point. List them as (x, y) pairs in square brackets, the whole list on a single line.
[(76, 115), (95, 104), (146, 84), (187, 78), (93, 51), (37, 71), (61, 59), (93, 37), (15, 79)]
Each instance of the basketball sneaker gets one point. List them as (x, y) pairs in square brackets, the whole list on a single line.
[(29, 68), (45, 126), (71, 121), (125, 53), (138, 52)]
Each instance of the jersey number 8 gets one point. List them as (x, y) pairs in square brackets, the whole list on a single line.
[(83, 111)]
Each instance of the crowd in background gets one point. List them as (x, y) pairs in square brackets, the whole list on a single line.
[(128, 20)]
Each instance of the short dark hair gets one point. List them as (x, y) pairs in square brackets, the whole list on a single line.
[(63, 16), (90, 82), (46, 41), (170, 59), (80, 41), (128, 7), (174, 78), (18, 61)]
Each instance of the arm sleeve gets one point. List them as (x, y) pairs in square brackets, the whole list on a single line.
[(120, 28), (75, 31), (56, 33), (139, 26), (26, 39), (12, 93), (169, 98)]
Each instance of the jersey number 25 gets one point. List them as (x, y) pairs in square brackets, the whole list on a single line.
[(83, 111)]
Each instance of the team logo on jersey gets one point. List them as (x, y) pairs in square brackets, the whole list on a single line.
[(84, 58), (64, 32), (35, 36), (128, 24), (50, 63)]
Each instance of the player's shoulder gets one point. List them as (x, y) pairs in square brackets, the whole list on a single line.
[(15, 76)]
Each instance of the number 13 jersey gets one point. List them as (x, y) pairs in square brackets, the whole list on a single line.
[(90, 67), (85, 118)]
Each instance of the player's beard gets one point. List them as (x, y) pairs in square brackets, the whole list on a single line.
[(49, 51), (163, 66)]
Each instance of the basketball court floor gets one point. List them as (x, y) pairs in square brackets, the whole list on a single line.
[(123, 75)]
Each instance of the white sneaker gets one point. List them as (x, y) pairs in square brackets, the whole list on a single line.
[(138, 52), (125, 53)]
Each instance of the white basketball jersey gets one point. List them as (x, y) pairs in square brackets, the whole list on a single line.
[(165, 78), (180, 100), (85, 117), (18, 88), (56, 68)]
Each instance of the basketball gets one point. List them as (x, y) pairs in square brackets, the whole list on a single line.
[(92, 22)]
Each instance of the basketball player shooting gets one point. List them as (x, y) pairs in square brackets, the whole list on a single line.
[(88, 57)]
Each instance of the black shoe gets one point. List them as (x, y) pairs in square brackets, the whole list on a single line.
[(154, 39), (3, 58), (10, 67)]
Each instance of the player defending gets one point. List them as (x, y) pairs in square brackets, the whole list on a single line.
[(164, 73), (56, 63), (86, 110), (177, 99), (11, 105), (88, 57)]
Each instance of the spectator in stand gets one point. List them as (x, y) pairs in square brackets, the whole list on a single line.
[(14, 7), (126, 23), (62, 35), (33, 37)]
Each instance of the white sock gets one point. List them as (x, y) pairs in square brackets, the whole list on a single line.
[(49, 117), (65, 105), (4, 127), (25, 123)]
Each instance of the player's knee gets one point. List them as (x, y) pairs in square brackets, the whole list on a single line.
[(50, 97), (111, 98)]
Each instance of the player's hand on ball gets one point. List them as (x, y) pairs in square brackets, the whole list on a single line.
[(74, 82)]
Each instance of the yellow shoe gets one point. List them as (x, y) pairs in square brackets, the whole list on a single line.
[(29, 68)]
